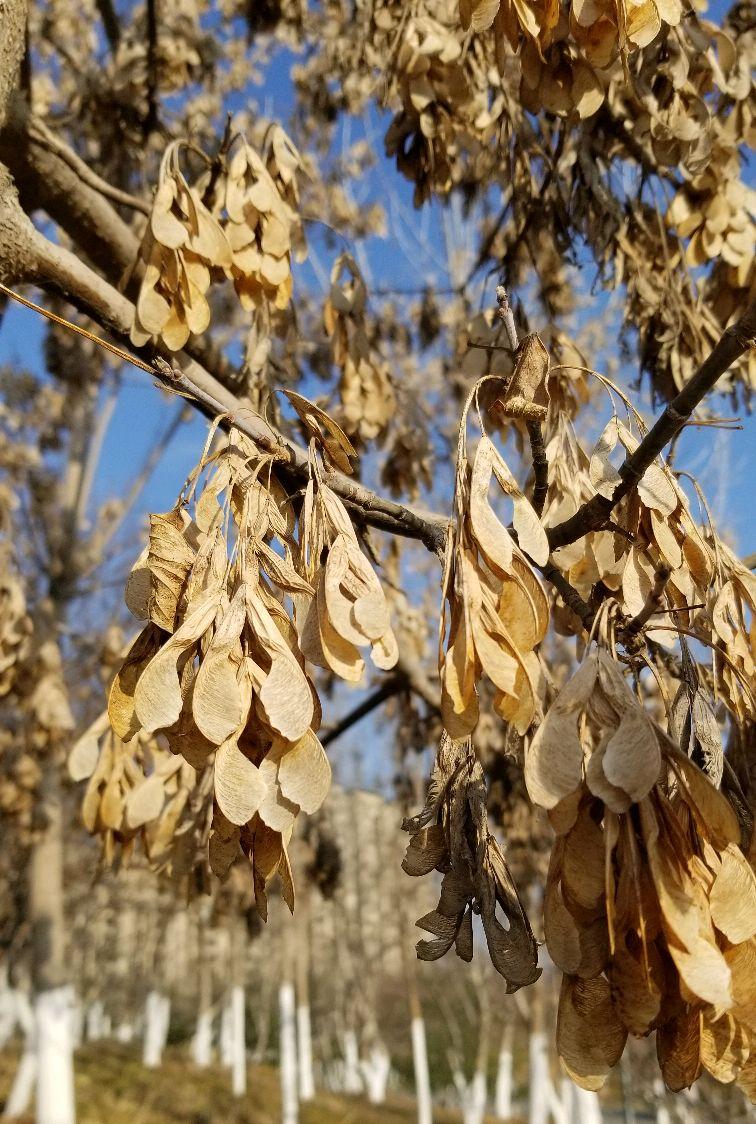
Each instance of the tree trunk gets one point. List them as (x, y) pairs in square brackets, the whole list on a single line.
[(202, 1042), (7, 1010), (239, 1042), (288, 1029), (156, 1023), (288, 1051), (352, 1076), (474, 1106), (53, 1010), (663, 1115), (586, 1108), (304, 1025), (539, 1080), (53, 999), (304, 1049), (226, 1034), (422, 1074), (503, 1096), (417, 1024), (22, 1089), (95, 1020), (375, 1070)]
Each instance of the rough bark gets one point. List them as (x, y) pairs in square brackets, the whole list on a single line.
[(44, 180), (13, 24)]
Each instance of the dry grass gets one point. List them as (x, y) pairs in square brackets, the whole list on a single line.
[(113, 1087)]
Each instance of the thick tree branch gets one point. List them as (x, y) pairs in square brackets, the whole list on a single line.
[(110, 22), (46, 178), (27, 256), (735, 341), (13, 24)]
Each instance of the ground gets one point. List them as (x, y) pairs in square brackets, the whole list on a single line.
[(113, 1087)]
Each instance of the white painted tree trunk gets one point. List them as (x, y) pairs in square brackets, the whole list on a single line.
[(539, 1081), (304, 1054), (475, 1108), (95, 1019), (503, 1095), (202, 1042), (7, 1018), (375, 1070), (77, 1024), (561, 1108), (22, 1090), (239, 1042), (422, 1074), (156, 1022), (352, 1076), (586, 1107), (53, 1018), (125, 1032), (472, 1096), (288, 1054), (227, 1035), (662, 1112)]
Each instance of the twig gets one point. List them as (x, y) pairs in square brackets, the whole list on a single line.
[(109, 18), (505, 314), (111, 347), (735, 341), (390, 688), (535, 430), (39, 131), (540, 465), (151, 120), (378, 512), (651, 605), (568, 593), (141, 478), (102, 420)]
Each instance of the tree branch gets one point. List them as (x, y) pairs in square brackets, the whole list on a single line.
[(27, 256), (735, 341), (540, 465), (46, 178), (651, 605), (110, 22), (38, 130), (12, 43), (386, 691), (151, 121)]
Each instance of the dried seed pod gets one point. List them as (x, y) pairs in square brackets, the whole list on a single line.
[(367, 395), (218, 674), (451, 834), (650, 904), (498, 610), (182, 244)]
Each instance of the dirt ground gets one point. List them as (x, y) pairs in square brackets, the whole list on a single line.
[(113, 1087)]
